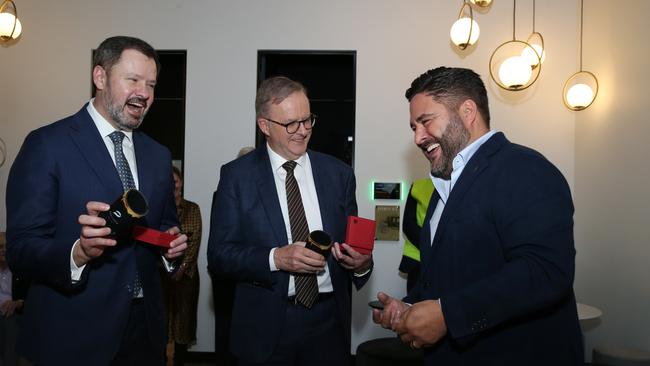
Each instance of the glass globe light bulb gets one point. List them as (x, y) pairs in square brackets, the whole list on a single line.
[(529, 54), (515, 72), (579, 96), (460, 30), (7, 25)]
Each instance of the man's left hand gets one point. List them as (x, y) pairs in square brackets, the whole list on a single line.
[(351, 259), (178, 245), (422, 324)]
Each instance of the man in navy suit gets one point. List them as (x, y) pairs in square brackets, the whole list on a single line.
[(251, 240), (94, 299), (497, 243)]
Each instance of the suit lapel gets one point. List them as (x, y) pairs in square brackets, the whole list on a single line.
[(265, 183), (325, 200), (145, 164), (470, 173), (86, 137), (426, 249), (323, 191)]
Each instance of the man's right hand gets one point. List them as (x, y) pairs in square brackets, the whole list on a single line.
[(392, 313), (93, 237), (298, 259)]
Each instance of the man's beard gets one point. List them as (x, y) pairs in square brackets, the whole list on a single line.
[(118, 115), (453, 140)]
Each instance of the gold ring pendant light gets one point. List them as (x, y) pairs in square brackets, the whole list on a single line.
[(510, 68), (10, 27), (465, 31), (581, 89)]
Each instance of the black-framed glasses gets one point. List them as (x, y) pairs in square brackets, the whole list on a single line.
[(292, 127)]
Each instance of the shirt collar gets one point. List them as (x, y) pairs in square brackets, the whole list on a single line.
[(469, 150), (104, 127), (277, 160)]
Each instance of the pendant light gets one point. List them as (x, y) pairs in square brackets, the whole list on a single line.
[(465, 31), (581, 89), (481, 3), (10, 27), (508, 68), (536, 41)]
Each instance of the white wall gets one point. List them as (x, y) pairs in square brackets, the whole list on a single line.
[(46, 76), (613, 178)]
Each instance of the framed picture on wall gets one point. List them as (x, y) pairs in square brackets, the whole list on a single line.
[(387, 218)]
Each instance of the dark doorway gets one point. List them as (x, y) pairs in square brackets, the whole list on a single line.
[(330, 79), (165, 121)]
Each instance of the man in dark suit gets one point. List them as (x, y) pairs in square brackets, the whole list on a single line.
[(255, 239), (94, 299), (497, 244)]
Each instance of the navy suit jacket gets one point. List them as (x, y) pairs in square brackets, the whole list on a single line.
[(247, 223), (502, 263), (59, 168)]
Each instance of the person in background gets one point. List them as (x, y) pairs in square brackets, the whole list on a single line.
[(94, 298), (415, 210), (182, 287), (224, 296), (497, 251), (292, 305), (10, 306)]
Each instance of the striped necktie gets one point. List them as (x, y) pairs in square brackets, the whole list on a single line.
[(306, 284)]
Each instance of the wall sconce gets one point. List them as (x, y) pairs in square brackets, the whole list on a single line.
[(509, 68), (465, 31), (481, 3), (581, 89), (10, 27), (536, 41)]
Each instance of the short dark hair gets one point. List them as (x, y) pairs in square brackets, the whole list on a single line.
[(273, 91), (110, 50), (451, 86)]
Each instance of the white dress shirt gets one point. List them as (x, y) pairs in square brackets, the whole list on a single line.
[(105, 129), (305, 179)]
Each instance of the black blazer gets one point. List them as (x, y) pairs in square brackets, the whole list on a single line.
[(247, 222), (59, 168), (502, 263)]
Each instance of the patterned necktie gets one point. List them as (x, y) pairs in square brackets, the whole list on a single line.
[(306, 284), (123, 168), (124, 171)]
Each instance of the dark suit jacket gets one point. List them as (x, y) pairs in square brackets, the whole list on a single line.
[(502, 263), (247, 222), (59, 168)]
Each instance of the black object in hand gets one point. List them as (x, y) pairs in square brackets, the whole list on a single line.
[(124, 212), (320, 242), (376, 304)]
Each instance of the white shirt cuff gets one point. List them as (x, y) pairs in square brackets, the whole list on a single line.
[(271, 261), (363, 273), (75, 272)]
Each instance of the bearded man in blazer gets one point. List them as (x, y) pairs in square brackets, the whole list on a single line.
[(497, 252), (93, 299), (251, 241)]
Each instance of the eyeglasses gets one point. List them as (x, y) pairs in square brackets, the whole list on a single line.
[(292, 127)]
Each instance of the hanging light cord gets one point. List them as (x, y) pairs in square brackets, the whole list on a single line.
[(533, 16), (514, 7), (582, 4)]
